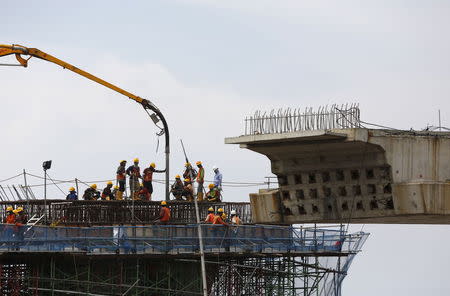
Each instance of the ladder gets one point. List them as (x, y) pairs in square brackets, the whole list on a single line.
[(35, 219)]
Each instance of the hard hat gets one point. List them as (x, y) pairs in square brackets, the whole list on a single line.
[(177, 177), (198, 163), (187, 164), (8, 209), (211, 186), (187, 180), (94, 186), (220, 210), (116, 187), (122, 161), (15, 211), (136, 160), (215, 168), (19, 209), (153, 165), (233, 212), (211, 210), (71, 189), (163, 203), (109, 183)]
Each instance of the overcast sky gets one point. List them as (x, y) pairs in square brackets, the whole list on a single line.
[(208, 64)]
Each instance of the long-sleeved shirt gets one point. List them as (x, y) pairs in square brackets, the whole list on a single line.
[(218, 179), (72, 196)]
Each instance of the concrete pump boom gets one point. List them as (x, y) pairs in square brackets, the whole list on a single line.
[(19, 51)]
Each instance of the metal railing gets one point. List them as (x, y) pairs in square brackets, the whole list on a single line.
[(87, 213), (293, 120), (176, 239)]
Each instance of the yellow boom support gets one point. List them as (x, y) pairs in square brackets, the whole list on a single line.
[(19, 51)]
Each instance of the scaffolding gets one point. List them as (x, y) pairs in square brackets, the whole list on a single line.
[(164, 260)]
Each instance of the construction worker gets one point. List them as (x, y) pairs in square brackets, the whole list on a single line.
[(148, 177), (91, 193), (188, 190), (218, 218), (164, 214), (134, 172), (217, 178), (21, 216), (213, 195), (211, 215), (10, 216), (72, 194), (107, 192), (235, 220), (177, 188), (200, 180), (115, 192), (189, 172), (143, 193), (121, 176)]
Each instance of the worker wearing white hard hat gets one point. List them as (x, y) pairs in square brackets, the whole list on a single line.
[(235, 220), (217, 178)]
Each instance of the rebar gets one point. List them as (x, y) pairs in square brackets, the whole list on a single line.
[(293, 120)]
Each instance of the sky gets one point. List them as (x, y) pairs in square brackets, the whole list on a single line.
[(208, 64)]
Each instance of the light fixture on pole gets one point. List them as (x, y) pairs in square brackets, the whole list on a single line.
[(46, 165)]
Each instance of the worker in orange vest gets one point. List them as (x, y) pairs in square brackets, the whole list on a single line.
[(164, 214), (200, 180), (143, 193), (147, 178), (218, 219), (10, 216), (211, 215)]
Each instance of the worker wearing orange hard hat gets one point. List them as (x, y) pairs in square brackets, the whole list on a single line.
[(200, 178), (147, 177)]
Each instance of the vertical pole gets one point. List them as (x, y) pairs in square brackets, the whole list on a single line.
[(167, 173), (76, 185), (45, 196), (26, 191), (440, 126)]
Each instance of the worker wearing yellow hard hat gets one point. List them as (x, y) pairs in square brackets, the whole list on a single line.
[(121, 179), (219, 218), (134, 172), (148, 178), (188, 190), (200, 178), (189, 172), (91, 193), (164, 214), (107, 192), (213, 195), (72, 194), (210, 217), (10, 216), (177, 188)]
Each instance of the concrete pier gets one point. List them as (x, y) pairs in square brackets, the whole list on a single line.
[(356, 174)]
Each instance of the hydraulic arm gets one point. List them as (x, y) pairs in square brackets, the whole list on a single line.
[(21, 52)]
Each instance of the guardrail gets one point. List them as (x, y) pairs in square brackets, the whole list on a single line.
[(176, 239), (87, 213)]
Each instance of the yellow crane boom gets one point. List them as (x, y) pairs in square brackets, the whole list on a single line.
[(19, 51)]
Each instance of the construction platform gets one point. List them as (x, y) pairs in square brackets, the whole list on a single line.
[(332, 170), (164, 260), (91, 213)]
